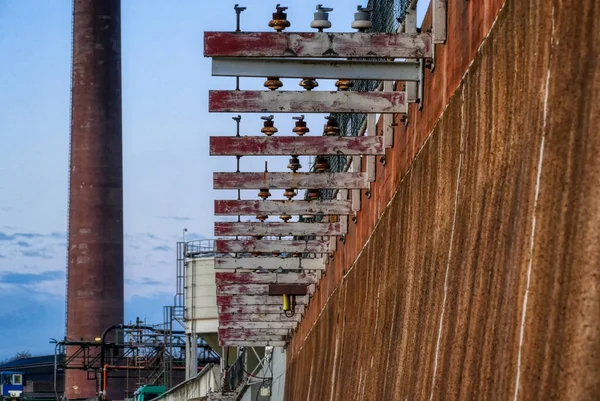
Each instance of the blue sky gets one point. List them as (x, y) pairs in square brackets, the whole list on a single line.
[(167, 170)]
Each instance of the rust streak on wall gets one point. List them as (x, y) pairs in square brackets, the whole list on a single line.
[(95, 265), (481, 278)]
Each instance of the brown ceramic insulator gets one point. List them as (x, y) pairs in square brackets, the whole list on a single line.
[(294, 164), (255, 254), (264, 193), (269, 128), (309, 83), (300, 128), (285, 217), (279, 21), (313, 194), (262, 217), (95, 235), (344, 84), (289, 193), (321, 164), (273, 83), (331, 128)]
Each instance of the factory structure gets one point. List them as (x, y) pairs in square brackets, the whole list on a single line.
[(442, 244)]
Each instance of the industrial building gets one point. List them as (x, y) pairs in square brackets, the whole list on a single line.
[(443, 242)]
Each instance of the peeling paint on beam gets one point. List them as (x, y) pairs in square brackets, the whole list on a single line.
[(260, 289), (287, 246), (237, 343), (295, 145), (234, 300), (223, 278), (317, 44), (253, 309), (242, 334), (258, 317), (269, 263), (290, 180), (306, 102), (293, 207), (252, 229), (317, 69), (242, 325)]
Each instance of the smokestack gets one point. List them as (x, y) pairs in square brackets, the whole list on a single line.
[(95, 266)]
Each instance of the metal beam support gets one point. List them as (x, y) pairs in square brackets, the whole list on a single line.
[(388, 130), (269, 263), (316, 69), (284, 229), (284, 246), (356, 167), (294, 145), (439, 20), (317, 44), (371, 132), (224, 278), (293, 207), (306, 102), (289, 180)]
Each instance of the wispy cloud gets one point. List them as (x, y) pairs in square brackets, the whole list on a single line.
[(162, 248), (36, 254), (175, 218)]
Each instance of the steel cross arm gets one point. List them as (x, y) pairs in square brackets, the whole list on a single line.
[(295, 145), (269, 263), (317, 69), (317, 44), (223, 278), (286, 246), (254, 309), (290, 180), (306, 102), (293, 207), (237, 300), (283, 229)]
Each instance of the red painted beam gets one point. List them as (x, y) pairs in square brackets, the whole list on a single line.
[(290, 180), (258, 325), (224, 278), (295, 145), (306, 102), (299, 309), (284, 229), (317, 44), (288, 246), (293, 207)]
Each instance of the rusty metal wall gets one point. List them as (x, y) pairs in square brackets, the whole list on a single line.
[(481, 278), (95, 254)]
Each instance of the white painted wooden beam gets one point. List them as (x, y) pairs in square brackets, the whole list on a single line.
[(388, 129), (269, 207), (306, 102), (252, 343), (284, 246), (295, 145), (289, 180), (253, 309), (247, 333), (258, 317), (316, 44), (356, 167), (236, 300), (258, 325), (283, 229), (249, 289), (224, 278), (269, 263), (316, 69)]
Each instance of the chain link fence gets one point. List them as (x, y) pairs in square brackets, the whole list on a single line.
[(385, 17)]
